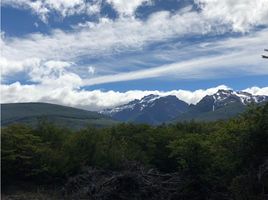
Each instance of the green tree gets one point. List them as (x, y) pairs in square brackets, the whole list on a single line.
[(20, 153), (194, 163)]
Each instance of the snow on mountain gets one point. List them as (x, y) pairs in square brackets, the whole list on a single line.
[(229, 96), (146, 101), (220, 98), (155, 109), (224, 98)]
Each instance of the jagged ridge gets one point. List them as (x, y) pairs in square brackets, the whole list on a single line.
[(155, 109)]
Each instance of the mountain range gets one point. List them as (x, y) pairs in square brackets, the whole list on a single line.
[(151, 109), (155, 109)]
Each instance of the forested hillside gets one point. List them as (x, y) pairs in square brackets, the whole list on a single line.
[(191, 160), (31, 113)]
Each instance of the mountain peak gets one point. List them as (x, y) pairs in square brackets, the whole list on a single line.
[(221, 95), (149, 98), (153, 109), (225, 97), (225, 91)]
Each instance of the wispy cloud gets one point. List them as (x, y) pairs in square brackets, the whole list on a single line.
[(233, 56), (104, 36), (126, 7), (43, 8)]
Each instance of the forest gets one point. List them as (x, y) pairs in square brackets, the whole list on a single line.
[(186, 160)]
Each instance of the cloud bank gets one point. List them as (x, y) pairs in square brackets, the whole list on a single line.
[(97, 100)]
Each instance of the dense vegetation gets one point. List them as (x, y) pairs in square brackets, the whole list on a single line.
[(215, 160)]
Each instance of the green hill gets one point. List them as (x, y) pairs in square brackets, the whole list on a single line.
[(31, 113)]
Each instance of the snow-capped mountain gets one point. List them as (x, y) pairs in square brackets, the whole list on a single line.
[(137, 105), (224, 98), (151, 109), (228, 96), (155, 109)]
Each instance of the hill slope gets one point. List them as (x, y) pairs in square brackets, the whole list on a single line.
[(30, 113)]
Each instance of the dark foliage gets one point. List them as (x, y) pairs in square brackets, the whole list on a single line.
[(215, 160)]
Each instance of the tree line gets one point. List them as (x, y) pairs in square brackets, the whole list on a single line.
[(216, 160)]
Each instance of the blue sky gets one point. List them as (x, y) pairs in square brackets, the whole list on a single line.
[(100, 53)]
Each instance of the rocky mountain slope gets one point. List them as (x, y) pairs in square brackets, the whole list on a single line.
[(150, 109), (154, 109)]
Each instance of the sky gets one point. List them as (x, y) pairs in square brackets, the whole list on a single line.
[(97, 54)]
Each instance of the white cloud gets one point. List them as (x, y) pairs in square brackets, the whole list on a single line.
[(203, 68), (92, 100), (49, 71), (51, 60), (36, 24), (257, 90), (227, 57), (110, 37), (63, 7), (107, 36), (35, 68), (91, 70), (96, 99), (9, 67), (193, 97), (55, 64), (127, 7), (240, 56), (70, 7), (241, 14)]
